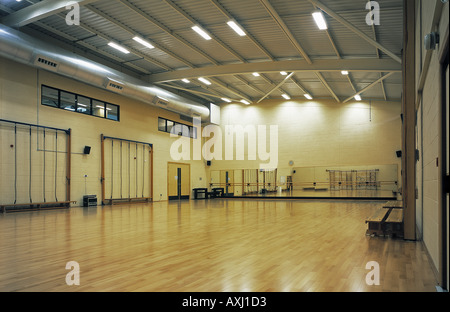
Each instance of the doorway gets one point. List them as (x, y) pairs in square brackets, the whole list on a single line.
[(178, 181), (227, 181)]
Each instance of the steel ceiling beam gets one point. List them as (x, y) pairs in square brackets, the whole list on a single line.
[(327, 86), (276, 17), (183, 41), (369, 86), (38, 11), (277, 86), (353, 28), (249, 36), (355, 65)]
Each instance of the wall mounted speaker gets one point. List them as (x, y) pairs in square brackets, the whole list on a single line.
[(399, 154), (87, 150), (208, 163)]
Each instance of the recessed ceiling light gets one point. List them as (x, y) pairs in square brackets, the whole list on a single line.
[(245, 102), (143, 42), (283, 73), (118, 47), (309, 97), (256, 74), (201, 32), (287, 97), (185, 80), (236, 28), (320, 20), (344, 72), (226, 100), (205, 81), (358, 97)]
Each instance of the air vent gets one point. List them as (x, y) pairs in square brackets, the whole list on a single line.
[(160, 101), (114, 85), (45, 62)]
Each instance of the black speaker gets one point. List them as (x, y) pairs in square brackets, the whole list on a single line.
[(208, 162), (87, 150), (399, 154)]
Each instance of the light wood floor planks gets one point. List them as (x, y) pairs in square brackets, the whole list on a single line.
[(213, 245)]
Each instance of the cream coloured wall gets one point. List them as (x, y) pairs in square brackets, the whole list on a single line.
[(20, 101), (429, 136), (320, 133)]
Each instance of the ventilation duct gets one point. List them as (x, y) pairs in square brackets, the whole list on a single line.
[(27, 50)]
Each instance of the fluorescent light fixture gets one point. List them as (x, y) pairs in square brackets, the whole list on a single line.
[(118, 47), (205, 81), (236, 28), (358, 97), (98, 106), (226, 100), (201, 32), (79, 104), (287, 97), (185, 80), (309, 97), (143, 42), (320, 20), (256, 74), (245, 102), (283, 73), (344, 72)]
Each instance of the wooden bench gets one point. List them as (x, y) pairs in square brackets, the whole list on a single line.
[(119, 201), (376, 221), (393, 225), (35, 206), (398, 204)]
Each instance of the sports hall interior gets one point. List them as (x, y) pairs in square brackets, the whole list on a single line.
[(224, 146)]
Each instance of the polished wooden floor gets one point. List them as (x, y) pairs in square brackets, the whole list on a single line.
[(207, 245)]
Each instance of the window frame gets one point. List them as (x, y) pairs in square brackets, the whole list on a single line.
[(92, 100), (192, 130)]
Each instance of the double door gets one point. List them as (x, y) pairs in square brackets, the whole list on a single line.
[(178, 177)]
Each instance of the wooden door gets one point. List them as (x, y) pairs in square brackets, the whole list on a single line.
[(178, 180)]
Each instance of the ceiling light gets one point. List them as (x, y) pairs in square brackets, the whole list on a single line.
[(344, 72), (226, 100), (309, 97), (207, 82), (320, 20), (118, 47), (245, 102), (201, 32), (236, 28), (256, 74), (287, 97), (358, 97), (283, 73), (185, 80), (143, 42)]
